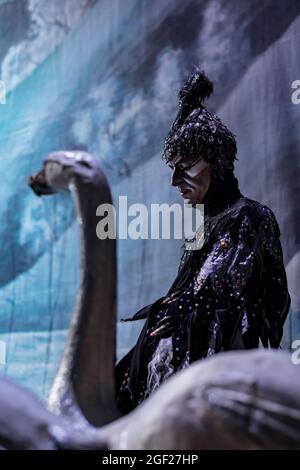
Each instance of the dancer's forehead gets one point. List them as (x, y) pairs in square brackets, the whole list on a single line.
[(182, 161)]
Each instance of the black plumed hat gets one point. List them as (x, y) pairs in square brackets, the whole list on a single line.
[(196, 132)]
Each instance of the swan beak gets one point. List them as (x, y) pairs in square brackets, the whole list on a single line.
[(39, 185)]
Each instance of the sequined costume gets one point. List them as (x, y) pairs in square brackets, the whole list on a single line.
[(231, 294)]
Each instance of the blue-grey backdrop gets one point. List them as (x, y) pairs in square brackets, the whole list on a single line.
[(103, 75)]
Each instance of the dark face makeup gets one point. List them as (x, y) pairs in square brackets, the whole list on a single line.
[(191, 177)]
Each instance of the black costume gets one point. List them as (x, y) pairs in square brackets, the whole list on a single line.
[(230, 294)]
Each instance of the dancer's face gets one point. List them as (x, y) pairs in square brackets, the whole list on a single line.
[(191, 177)]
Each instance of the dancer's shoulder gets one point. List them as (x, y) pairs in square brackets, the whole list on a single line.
[(257, 213)]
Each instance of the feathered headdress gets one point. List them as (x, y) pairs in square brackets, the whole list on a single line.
[(197, 132)]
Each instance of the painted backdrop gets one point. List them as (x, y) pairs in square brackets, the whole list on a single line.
[(103, 76)]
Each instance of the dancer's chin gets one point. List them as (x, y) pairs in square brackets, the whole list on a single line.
[(189, 199)]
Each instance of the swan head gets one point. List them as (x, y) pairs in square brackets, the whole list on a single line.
[(60, 168)]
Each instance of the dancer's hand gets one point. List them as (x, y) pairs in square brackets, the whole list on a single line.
[(163, 326), (171, 298)]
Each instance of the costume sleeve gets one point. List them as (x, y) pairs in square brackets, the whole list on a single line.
[(276, 296), (226, 289), (230, 302)]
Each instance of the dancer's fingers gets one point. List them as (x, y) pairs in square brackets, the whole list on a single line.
[(162, 329)]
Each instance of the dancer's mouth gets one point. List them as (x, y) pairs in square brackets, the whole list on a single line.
[(184, 190)]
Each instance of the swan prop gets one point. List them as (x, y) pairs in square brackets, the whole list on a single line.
[(235, 400)]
